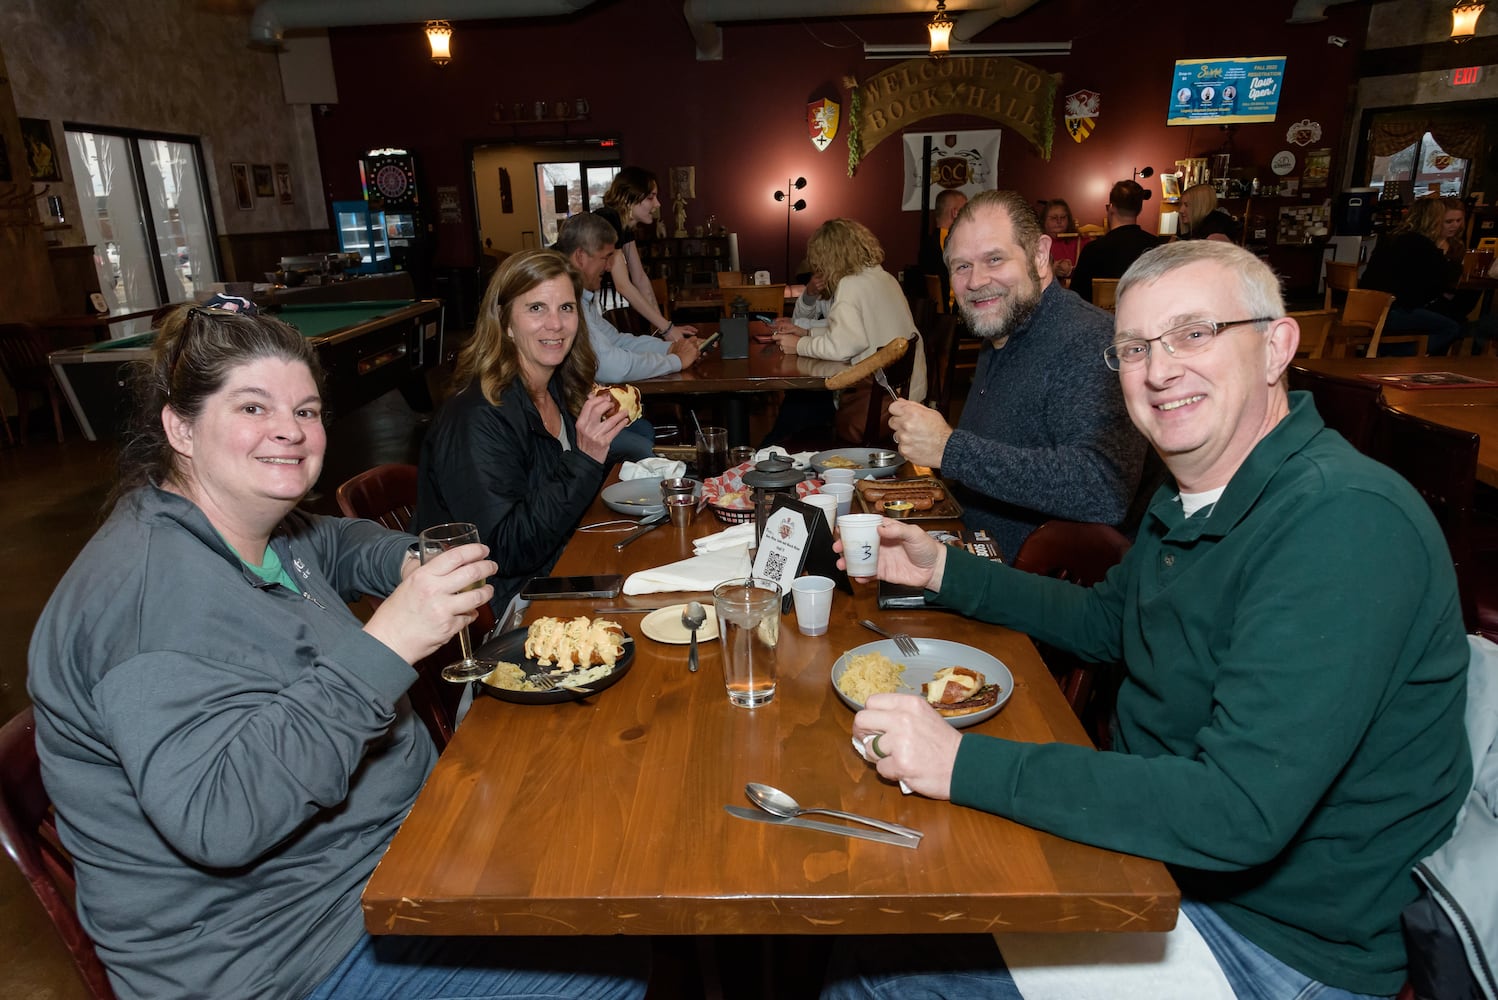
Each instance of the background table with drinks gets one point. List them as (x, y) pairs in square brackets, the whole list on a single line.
[(605, 816)]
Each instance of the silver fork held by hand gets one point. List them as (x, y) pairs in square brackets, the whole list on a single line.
[(883, 380)]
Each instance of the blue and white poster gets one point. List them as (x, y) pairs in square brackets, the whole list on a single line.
[(1224, 91)]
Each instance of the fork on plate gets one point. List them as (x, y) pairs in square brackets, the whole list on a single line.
[(903, 642), (883, 380), (546, 682)]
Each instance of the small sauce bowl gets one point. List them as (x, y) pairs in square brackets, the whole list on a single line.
[(883, 459), (899, 509)]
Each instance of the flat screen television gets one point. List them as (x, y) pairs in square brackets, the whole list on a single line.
[(1226, 91)]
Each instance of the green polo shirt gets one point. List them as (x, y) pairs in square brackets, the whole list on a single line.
[(1290, 736)]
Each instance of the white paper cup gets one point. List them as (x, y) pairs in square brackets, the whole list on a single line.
[(860, 535), (827, 503), (813, 598), (839, 476), (844, 494)]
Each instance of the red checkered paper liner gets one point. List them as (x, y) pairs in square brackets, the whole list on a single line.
[(732, 481)]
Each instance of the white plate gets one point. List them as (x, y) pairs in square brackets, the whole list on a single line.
[(665, 625), (934, 654), (859, 455), (636, 497)]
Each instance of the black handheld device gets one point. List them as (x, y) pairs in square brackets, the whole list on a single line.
[(548, 587)]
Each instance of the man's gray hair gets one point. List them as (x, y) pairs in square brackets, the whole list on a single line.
[(1258, 286), (587, 232)]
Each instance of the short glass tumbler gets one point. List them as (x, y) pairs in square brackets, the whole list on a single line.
[(749, 630)]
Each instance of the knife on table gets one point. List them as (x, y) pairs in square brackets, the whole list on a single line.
[(646, 526), (878, 836)]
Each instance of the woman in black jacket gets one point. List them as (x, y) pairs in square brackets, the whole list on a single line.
[(1409, 265)]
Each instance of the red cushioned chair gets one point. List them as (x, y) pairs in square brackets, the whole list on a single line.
[(28, 829), (387, 494), (1083, 554)]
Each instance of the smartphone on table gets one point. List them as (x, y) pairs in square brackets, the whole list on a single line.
[(550, 587)]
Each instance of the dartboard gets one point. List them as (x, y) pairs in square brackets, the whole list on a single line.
[(391, 180)]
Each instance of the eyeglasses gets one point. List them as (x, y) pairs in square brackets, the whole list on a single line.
[(1182, 341)]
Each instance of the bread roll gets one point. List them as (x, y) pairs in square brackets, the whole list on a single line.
[(625, 397)]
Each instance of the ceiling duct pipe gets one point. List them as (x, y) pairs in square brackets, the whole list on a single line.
[(272, 19)]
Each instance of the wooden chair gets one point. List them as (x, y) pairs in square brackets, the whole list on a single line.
[(934, 292), (768, 299), (1105, 293), (662, 295), (939, 337), (1340, 277), (876, 432), (726, 278), (23, 362), (387, 494), (1083, 554), (1441, 464), (1346, 405), (1363, 315), (28, 829), (1315, 325)]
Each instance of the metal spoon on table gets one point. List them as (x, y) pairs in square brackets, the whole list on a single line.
[(692, 617), (777, 803)]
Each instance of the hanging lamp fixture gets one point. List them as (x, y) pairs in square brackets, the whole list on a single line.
[(940, 27), (440, 37)]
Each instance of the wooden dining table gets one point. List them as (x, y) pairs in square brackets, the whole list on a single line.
[(606, 815), (1472, 407), (735, 380)]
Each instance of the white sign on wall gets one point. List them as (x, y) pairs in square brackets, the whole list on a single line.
[(961, 161)]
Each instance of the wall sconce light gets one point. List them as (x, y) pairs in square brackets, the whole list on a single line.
[(940, 27), (1464, 20), (1145, 172), (440, 37), (790, 206)]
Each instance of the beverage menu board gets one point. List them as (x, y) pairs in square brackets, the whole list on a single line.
[(1223, 91)]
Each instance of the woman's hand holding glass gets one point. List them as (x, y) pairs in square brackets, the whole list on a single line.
[(595, 432), (437, 598)]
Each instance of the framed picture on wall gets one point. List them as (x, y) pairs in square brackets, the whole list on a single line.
[(283, 184), (265, 186), (41, 151), (244, 193)]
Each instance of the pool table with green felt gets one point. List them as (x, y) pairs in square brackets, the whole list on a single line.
[(366, 349)]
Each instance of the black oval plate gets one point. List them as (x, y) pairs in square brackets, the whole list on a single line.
[(510, 648)]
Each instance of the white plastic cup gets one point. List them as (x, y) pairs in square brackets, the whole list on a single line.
[(839, 476), (827, 503), (860, 535), (844, 494), (813, 598)]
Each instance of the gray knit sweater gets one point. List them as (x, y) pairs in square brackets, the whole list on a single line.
[(1044, 433)]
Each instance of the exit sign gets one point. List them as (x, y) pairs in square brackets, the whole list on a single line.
[(1466, 76)]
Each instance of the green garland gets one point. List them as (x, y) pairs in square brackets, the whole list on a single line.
[(1048, 123), (855, 131)]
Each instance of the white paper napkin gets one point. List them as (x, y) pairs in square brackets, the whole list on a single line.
[(654, 467), (702, 572), (865, 748), (738, 534)]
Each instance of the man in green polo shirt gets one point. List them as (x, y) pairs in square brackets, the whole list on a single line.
[(1289, 734)]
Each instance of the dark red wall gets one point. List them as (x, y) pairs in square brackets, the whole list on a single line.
[(741, 121)]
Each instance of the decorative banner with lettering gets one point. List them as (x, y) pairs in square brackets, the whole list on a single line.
[(960, 161), (1082, 110), (1012, 93), (821, 122)]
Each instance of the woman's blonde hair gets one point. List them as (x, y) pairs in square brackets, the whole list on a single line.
[(1200, 200), (490, 355), (841, 247), (1426, 217)]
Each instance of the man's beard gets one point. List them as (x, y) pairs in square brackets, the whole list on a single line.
[(1015, 309)]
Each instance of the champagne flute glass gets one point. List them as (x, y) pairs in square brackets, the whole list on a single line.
[(435, 541)]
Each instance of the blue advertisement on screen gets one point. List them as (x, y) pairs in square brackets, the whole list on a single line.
[(1223, 91)]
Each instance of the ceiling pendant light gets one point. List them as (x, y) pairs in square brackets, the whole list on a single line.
[(940, 27), (440, 37)]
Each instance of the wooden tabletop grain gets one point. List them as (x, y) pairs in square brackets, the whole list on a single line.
[(606, 816), (766, 369)]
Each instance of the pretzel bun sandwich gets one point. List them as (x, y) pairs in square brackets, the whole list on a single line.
[(626, 398), (955, 691)]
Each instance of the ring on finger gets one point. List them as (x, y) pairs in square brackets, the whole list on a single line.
[(874, 746)]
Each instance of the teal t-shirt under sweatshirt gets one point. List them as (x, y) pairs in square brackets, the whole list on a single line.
[(1290, 735)]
